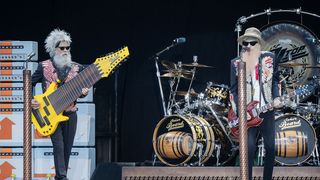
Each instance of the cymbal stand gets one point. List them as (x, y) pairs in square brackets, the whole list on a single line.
[(171, 84), (221, 125), (156, 59), (315, 156), (172, 102), (195, 60)]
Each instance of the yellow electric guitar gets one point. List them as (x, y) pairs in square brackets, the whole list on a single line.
[(55, 100)]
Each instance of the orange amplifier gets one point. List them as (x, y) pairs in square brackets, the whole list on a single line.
[(11, 126), (11, 92), (18, 50), (81, 166), (14, 68)]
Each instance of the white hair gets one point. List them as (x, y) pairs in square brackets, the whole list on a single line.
[(54, 38)]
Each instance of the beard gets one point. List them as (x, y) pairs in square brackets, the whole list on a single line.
[(62, 60), (251, 58)]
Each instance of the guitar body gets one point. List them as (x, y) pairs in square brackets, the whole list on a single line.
[(255, 120), (254, 111), (45, 119)]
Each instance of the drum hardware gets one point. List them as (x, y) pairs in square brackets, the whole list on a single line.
[(195, 64), (155, 57), (261, 152), (218, 151), (185, 93), (221, 125), (195, 60), (315, 156)]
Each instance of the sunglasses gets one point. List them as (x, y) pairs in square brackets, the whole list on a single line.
[(64, 48), (252, 43)]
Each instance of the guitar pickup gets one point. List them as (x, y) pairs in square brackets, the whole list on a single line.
[(45, 99)]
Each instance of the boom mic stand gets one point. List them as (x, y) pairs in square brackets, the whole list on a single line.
[(156, 59)]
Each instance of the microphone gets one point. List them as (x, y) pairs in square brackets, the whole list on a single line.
[(179, 40)]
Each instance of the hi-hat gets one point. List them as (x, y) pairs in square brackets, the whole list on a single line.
[(196, 65), (291, 64), (168, 64), (183, 93)]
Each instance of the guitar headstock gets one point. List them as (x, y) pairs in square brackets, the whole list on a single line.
[(108, 63)]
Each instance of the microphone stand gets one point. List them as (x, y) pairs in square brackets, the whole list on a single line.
[(156, 59)]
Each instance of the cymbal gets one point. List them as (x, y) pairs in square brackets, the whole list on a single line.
[(183, 93), (168, 64), (313, 66), (291, 64), (179, 71), (196, 65), (185, 76)]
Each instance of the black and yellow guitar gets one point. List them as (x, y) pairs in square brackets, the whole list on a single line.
[(55, 100)]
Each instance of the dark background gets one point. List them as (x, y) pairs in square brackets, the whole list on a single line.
[(128, 102)]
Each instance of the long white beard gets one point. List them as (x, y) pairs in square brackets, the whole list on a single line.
[(251, 58), (62, 60)]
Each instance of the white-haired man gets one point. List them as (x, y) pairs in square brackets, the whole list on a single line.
[(262, 85), (60, 69)]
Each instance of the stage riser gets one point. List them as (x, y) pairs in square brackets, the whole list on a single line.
[(216, 173), (215, 178)]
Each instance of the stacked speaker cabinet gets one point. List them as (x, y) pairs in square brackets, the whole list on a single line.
[(82, 161)]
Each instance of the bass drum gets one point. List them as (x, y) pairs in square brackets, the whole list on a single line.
[(295, 139), (226, 147), (180, 140)]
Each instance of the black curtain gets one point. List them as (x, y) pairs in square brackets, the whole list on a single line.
[(100, 27)]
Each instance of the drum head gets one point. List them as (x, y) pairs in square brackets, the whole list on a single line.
[(173, 132), (295, 139), (296, 44)]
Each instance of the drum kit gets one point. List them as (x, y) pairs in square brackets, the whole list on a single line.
[(196, 132), (195, 129)]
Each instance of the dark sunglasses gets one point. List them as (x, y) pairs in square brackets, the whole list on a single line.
[(64, 48), (252, 43)]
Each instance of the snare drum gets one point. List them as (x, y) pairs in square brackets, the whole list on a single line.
[(183, 140), (295, 139)]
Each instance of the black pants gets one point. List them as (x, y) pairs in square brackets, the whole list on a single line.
[(62, 141), (267, 131)]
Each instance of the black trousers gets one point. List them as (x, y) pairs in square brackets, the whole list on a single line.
[(267, 131), (62, 141)]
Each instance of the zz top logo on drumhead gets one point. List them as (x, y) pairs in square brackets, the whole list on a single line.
[(285, 54)]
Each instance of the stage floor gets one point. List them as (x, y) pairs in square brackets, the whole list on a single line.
[(216, 173)]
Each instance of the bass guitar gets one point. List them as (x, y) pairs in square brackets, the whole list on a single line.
[(55, 100), (254, 111)]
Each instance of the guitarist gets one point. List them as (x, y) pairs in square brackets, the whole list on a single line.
[(60, 68), (262, 85)]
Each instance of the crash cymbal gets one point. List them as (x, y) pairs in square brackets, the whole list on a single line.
[(168, 64), (313, 66), (291, 64), (179, 71), (196, 65), (185, 76), (183, 93)]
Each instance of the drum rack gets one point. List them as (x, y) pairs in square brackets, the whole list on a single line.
[(243, 19)]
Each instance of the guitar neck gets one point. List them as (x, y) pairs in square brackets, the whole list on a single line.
[(72, 90), (270, 105)]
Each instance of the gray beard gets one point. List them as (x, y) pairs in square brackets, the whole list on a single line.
[(62, 60)]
